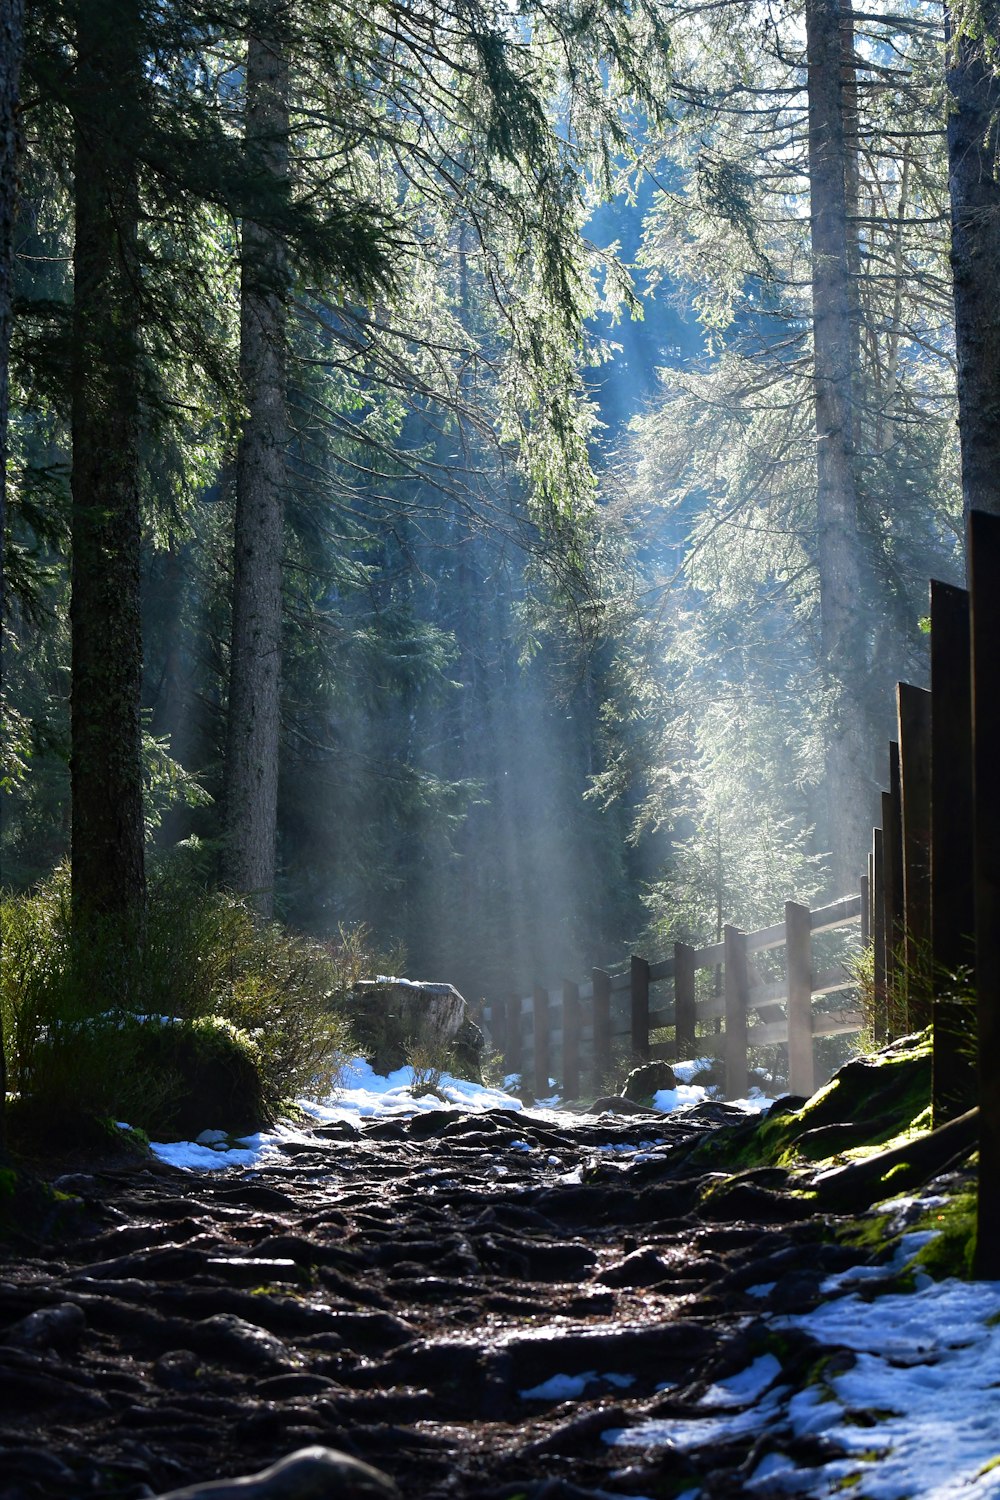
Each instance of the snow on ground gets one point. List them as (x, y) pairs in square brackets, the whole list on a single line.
[(917, 1414), (362, 1094)]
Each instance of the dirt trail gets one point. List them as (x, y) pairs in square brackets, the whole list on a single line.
[(392, 1291)]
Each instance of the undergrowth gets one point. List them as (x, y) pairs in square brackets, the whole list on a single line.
[(105, 1026)]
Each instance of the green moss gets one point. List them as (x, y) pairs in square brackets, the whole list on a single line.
[(950, 1252)]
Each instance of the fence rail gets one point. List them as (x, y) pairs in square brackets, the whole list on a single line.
[(573, 1028)]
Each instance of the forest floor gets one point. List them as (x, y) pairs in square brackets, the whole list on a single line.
[(493, 1304)]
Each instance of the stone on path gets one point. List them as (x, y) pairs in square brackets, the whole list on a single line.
[(645, 1081), (397, 1018), (310, 1474)]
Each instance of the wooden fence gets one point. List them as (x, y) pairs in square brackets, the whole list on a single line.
[(572, 1030)]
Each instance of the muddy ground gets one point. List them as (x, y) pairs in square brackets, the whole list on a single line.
[(392, 1291)]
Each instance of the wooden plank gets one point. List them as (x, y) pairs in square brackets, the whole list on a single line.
[(953, 948), (659, 972), (984, 588), (768, 994), (571, 1039), (878, 939), (639, 1007), (833, 981), (707, 958), (837, 1022), (543, 1057), (735, 993), (660, 1018), (895, 920), (837, 914), (914, 710), (684, 1000), (621, 983), (712, 1009), (798, 970), (767, 937), (601, 1010), (514, 1055), (866, 906)]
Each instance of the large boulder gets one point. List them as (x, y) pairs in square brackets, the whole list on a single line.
[(646, 1080), (400, 1021)]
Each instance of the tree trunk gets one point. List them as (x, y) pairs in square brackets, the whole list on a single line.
[(106, 738), (849, 781), (973, 142), (251, 790), (11, 49)]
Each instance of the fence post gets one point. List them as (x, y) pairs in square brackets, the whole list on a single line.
[(542, 1042), (684, 1001), (602, 1026), (878, 938), (639, 997), (571, 1039), (798, 960), (914, 710), (514, 1055), (952, 857), (737, 993), (892, 848), (984, 589)]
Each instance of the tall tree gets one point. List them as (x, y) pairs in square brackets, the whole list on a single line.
[(835, 372), (11, 52), (106, 765), (251, 784), (974, 181)]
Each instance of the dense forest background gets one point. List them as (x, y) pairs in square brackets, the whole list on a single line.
[(473, 471)]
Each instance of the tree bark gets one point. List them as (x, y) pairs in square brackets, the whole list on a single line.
[(251, 790), (106, 736), (849, 782), (11, 51), (974, 184)]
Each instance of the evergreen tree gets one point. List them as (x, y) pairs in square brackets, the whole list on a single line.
[(11, 51), (974, 177), (106, 764)]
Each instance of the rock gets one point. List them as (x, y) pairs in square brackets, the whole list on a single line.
[(225, 1336), (58, 1327), (395, 1018), (643, 1082), (311, 1474)]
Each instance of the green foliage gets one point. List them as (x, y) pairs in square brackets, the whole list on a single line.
[(89, 1028)]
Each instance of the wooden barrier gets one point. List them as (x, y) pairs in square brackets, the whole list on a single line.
[(554, 1032)]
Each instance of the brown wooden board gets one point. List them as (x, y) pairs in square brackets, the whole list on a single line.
[(736, 992), (984, 587), (952, 854), (571, 1040), (684, 1000), (914, 712), (602, 1026)]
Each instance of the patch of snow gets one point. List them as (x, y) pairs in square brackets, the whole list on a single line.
[(685, 1071), (569, 1387), (667, 1100), (748, 1385)]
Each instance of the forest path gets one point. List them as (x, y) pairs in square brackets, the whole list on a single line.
[(392, 1291)]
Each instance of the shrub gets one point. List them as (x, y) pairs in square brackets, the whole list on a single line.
[(126, 1029)]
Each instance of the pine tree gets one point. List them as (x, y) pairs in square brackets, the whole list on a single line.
[(251, 784), (106, 767)]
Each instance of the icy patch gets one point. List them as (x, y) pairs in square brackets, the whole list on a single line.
[(570, 1387), (909, 1246), (748, 1385), (686, 1433)]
